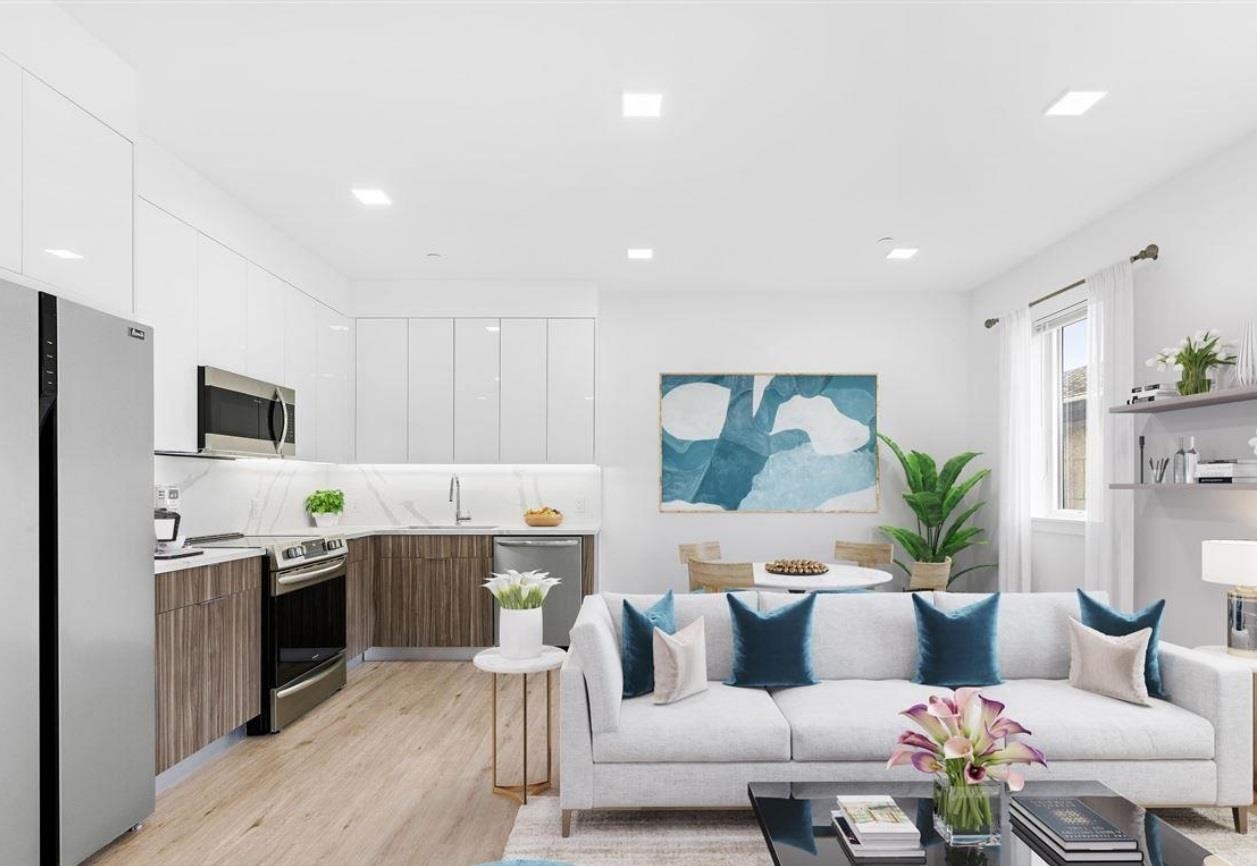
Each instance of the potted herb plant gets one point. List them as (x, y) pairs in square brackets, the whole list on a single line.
[(520, 596), (1193, 359), (934, 495), (325, 506)]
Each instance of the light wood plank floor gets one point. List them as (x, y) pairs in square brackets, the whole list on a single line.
[(395, 769)]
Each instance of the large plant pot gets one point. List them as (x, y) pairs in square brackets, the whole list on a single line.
[(930, 575), (325, 521), (519, 633)]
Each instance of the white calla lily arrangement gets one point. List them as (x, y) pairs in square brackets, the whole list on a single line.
[(517, 590)]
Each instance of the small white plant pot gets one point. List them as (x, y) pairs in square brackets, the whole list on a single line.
[(519, 633), (324, 521)]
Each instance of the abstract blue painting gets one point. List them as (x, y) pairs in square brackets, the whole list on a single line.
[(768, 442)]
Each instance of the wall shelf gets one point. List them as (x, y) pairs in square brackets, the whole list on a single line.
[(1251, 488), (1213, 398)]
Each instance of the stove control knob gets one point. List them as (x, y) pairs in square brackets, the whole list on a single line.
[(293, 552)]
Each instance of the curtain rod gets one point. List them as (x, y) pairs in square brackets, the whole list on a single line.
[(1149, 252)]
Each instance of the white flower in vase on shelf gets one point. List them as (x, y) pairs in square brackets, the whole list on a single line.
[(520, 596)]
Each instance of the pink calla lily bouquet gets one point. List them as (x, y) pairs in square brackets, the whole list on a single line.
[(967, 739)]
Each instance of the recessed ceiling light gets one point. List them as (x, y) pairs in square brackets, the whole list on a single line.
[(642, 104), (63, 254), (372, 196), (493, 329), (901, 253), (1075, 102), (641, 254)]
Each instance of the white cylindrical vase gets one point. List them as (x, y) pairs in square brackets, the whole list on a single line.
[(519, 633), (323, 521)]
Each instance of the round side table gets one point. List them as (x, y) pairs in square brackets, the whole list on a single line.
[(492, 661)]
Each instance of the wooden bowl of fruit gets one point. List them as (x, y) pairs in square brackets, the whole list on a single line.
[(543, 516)]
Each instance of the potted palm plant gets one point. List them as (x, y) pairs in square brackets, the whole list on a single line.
[(934, 495)]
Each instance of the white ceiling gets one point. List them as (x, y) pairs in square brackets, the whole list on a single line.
[(793, 135)]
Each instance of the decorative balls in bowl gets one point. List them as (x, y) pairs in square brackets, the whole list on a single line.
[(543, 516), (796, 567)]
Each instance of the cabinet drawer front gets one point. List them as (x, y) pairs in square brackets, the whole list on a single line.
[(436, 546), (177, 589)]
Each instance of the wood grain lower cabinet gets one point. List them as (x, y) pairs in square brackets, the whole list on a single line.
[(209, 655), (429, 591), (359, 589)]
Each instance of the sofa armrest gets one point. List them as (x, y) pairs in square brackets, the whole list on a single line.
[(1222, 692), (576, 747), (594, 641)]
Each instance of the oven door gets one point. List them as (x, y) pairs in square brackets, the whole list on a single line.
[(239, 415), (307, 619)]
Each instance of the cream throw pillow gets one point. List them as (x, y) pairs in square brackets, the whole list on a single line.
[(680, 663), (1107, 665)]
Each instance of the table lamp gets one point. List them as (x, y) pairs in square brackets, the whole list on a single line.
[(1234, 563)]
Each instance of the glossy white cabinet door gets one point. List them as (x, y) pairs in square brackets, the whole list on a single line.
[(431, 390), (10, 166), (334, 405), (381, 391), (222, 302), (522, 436), (264, 332), (571, 391), (165, 297), (476, 372), (76, 201), (301, 365)]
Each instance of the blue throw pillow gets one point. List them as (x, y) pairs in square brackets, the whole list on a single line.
[(1102, 618), (773, 649), (637, 643), (957, 648)]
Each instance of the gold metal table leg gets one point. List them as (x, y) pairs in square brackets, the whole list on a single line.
[(521, 791)]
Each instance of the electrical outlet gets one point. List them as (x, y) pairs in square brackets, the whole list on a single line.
[(581, 504)]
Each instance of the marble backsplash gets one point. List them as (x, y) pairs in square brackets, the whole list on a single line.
[(265, 496)]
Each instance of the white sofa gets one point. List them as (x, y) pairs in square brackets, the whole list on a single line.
[(1194, 749)]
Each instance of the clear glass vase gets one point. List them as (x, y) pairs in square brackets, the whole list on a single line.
[(967, 814), (1194, 382)]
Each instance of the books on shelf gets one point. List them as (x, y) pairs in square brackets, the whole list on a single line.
[(1070, 832), (876, 829)]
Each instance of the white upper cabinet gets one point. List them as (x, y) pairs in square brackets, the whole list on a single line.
[(76, 201), (222, 300), (382, 374), (522, 435), (570, 426), (301, 365), (431, 391), (264, 331), (476, 372), (334, 404), (165, 297), (10, 166)]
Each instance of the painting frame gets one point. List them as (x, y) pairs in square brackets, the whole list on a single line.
[(876, 505)]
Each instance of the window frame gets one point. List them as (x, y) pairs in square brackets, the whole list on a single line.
[(1049, 493)]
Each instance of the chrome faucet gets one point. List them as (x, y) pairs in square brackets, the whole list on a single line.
[(456, 496)]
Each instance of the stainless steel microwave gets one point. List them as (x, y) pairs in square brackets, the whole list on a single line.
[(240, 416)]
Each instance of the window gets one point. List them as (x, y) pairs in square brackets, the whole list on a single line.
[(1063, 438)]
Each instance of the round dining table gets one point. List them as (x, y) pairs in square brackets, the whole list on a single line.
[(841, 576)]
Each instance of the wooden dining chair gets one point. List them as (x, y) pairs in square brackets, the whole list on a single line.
[(707, 550), (864, 554), (707, 576)]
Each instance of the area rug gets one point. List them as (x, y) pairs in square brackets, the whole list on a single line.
[(665, 838)]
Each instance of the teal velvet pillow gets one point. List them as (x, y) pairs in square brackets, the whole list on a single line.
[(773, 649), (957, 648), (637, 643), (1114, 623)]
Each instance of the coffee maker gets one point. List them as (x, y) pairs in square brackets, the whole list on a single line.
[(166, 527)]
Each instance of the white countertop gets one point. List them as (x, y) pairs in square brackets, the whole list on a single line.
[(217, 555)]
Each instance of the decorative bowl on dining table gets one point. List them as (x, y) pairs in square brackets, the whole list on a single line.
[(795, 567)]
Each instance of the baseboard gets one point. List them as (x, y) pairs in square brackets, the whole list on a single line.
[(172, 776), (420, 653)]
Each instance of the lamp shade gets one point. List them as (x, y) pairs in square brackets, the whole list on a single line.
[(1230, 562)]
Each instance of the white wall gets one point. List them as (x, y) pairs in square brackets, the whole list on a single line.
[(1205, 221), (910, 341)]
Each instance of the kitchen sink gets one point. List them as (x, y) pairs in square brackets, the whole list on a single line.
[(452, 526)]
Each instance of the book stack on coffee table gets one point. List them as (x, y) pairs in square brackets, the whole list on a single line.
[(876, 830), (1066, 830)]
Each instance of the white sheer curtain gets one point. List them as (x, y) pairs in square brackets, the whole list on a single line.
[(1016, 445), (1110, 449)]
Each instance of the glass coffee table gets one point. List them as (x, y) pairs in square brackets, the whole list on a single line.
[(795, 819)]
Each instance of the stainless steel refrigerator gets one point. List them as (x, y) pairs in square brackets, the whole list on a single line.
[(76, 578)]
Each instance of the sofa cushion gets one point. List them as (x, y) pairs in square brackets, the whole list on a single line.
[(724, 724), (774, 649), (1105, 619), (598, 651), (1033, 630), (637, 629), (849, 720), (712, 607), (957, 648), (1068, 724), (859, 635)]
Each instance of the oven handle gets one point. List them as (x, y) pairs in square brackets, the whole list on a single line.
[(314, 680), (294, 580)]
